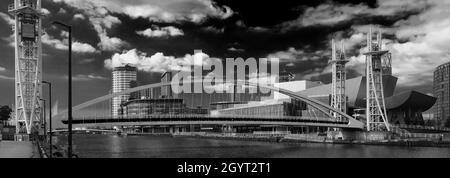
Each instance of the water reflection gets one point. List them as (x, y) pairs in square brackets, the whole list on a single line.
[(165, 146)]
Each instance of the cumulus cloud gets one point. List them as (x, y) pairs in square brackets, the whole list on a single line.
[(420, 44), (79, 17), (101, 19), (45, 11), (110, 43), (101, 14), (161, 32), (62, 11), (77, 47), (157, 62), (159, 10)]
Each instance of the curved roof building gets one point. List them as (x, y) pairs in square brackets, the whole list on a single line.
[(355, 89), (410, 99), (402, 108)]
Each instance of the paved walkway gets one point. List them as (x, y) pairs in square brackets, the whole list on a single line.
[(11, 149)]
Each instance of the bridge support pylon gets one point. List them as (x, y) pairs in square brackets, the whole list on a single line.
[(339, 75), (375, 66), (28, 65)]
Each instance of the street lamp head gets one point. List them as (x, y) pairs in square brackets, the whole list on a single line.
[(61, 24)]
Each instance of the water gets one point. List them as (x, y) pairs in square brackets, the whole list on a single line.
[(112, 146)]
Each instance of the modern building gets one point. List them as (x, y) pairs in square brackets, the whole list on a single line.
[(402, 108), (166, 91), (441, 90), (162, 106), (122, 80), (294, 86), (204, 100), (268, 108)]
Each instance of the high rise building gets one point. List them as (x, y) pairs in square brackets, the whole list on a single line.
[(122, 79), (28, 63), (441, 88)]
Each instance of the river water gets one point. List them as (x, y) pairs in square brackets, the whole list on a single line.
[(113, 146)]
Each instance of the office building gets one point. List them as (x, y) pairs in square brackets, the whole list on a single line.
[(441, 90), (123, 77)]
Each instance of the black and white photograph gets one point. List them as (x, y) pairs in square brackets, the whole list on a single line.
[(224, 79)]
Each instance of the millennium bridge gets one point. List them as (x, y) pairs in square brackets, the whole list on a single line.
[(96, 112)]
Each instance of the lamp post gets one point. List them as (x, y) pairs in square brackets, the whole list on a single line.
[(69, 123), (50, 116), (45, 124)]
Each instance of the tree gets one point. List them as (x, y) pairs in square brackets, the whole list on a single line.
[(5, 113)]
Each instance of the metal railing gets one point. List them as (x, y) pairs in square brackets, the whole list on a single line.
[(404, 126)]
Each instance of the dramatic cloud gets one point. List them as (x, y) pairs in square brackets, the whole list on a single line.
[(77, 47), (157, 62), (100, 14), (334, 13), (101, 20), (315, 72), (294, 55), (161, 32), (45, 11), (158, 10), (110, 43), (420, 46)]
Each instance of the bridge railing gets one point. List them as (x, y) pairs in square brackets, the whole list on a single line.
[(419, 127)]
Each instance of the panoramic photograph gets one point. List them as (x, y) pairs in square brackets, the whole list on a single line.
[(224, 79)]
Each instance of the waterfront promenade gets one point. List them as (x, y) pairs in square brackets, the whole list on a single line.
[(11, 149)]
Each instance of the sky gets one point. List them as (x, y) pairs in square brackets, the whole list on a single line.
[(159, 35)]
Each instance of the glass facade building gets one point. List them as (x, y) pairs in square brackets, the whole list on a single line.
[(441, 89), (122, 79), (291, 108), (164, 106)]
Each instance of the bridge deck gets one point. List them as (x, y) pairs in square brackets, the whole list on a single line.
[(220, 120)]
